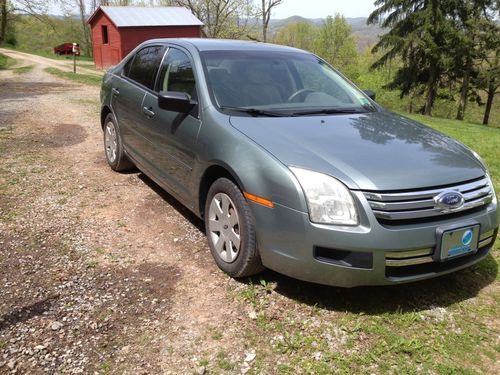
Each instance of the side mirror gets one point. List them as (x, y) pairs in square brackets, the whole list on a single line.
[(175, 101), (370, 94)]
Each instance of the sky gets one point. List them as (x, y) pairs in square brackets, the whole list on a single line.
[(323, 8), (305, 8)]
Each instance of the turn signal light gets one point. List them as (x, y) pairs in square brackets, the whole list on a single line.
[(255, 198)]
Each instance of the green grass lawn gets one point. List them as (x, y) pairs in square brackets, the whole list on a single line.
[(6, 62), (87, 79), (23, 69)]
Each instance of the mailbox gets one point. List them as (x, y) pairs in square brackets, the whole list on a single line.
[(76, 49)]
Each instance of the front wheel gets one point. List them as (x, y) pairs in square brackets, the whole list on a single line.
[(230, 230)]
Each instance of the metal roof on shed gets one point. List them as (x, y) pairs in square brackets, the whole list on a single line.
[(144, 16)]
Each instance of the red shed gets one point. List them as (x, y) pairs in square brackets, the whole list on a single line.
[(118, 30)]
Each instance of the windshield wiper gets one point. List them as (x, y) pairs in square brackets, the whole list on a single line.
[(255, 112), (329, 111)]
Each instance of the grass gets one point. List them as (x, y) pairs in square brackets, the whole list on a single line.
[(444, 107), (23, 69), (6, 62), (77, 77)]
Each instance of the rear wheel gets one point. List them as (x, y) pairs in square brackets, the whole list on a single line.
[(113, 146), (230, 230)]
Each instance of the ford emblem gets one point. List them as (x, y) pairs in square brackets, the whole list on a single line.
[(449, 200)]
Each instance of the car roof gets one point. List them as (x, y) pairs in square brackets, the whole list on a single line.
[(204, 44)]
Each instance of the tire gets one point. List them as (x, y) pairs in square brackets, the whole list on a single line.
[(228, 219), (113, 146)]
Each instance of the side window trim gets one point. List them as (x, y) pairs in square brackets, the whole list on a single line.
[(158, 73), (131, 61), (196, 110), (127, 65), (189, 56)]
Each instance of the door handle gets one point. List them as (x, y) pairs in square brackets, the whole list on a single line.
[(148, 112), (115, 91)]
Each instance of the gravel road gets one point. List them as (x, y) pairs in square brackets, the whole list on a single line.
[(100, 272), (65, 65)]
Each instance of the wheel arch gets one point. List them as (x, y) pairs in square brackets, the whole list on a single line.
[(105, 111), (210, 175)]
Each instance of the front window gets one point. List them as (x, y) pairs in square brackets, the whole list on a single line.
[(280, 83), (177, 73)]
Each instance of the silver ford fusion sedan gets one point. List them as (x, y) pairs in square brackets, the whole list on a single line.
[(292, 167)]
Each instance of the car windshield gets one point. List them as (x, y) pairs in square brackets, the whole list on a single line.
[(263, 83)]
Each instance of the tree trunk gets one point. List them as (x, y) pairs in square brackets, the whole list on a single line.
[(489, 103), (3, 19), (463, 94), (265, 21), (432, 82), (85, 28), (431, 92)]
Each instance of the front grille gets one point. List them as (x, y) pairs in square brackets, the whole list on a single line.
[(420, 204)]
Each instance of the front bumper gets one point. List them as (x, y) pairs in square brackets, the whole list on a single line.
[(289, 243)]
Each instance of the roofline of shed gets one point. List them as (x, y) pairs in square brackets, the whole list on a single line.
[(100, 8)]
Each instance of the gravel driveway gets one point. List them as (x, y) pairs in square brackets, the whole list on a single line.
[(65, 65), (99, 271)]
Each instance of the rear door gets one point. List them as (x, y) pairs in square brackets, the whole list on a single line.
[(129, 89), (174, 133)]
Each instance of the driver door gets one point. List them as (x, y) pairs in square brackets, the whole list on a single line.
[(174, 133)]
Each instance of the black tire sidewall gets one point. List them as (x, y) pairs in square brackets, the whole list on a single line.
[(248, 259), (121, 162)]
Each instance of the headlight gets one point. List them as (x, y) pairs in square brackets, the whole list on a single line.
[(328, 199), (494, 201)]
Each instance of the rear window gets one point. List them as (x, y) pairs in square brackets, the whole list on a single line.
[(144, 66)]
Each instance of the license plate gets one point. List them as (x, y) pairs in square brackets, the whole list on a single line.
[(457, 242)]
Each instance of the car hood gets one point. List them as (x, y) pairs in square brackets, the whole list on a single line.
[(372, 151)]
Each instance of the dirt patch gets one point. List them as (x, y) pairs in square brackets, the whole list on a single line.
[(63, 135)]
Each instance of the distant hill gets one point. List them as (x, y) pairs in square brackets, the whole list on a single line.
[(367, 35)]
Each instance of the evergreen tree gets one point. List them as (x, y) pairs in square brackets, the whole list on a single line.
[(476, 35), (419, 31), (488, 80)]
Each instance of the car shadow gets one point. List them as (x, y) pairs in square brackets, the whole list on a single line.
[(437, 292), (179, 207), (26, 312)]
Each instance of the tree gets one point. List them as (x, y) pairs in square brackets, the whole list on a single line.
[(336, 44), (3, 20), (267, 7), (34, 8), (475, 36), (297, 34), (489, 81), (222, 18), (418, 33), (85, 27)]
